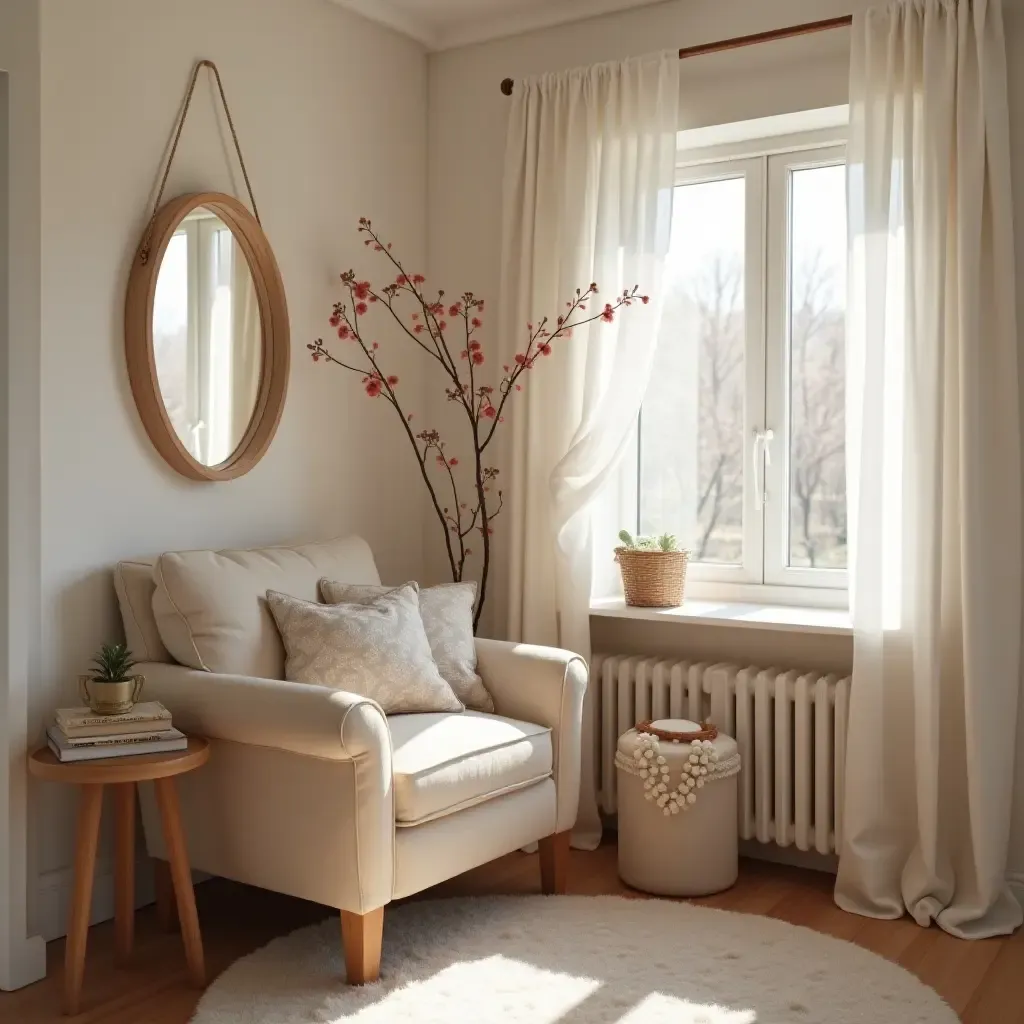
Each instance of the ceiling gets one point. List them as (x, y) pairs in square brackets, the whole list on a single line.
[(442, 24)]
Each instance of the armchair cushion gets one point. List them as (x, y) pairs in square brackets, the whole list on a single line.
[(446, 763), (211, 607)]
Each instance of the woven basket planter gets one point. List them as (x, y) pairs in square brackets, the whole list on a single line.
[(652, 579)]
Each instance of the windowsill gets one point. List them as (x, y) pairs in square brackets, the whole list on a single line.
[(783, 618)]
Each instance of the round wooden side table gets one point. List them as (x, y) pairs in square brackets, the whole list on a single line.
[(122, 773)]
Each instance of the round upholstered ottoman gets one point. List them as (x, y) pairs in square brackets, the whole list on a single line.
[(677, 808)]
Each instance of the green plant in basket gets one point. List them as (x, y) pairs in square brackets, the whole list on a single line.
[(111, 688), (652, 582), (666, 542)]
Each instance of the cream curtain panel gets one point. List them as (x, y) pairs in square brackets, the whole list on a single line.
[(934, 464), (589, 172)]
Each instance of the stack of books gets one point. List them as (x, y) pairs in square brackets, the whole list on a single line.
[(79, 734)]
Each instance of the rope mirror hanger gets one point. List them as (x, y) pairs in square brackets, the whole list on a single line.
[(144, 252)]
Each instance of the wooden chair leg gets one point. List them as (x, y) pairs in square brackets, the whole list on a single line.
[(177, 855), (124, 860), (361, 936), (166, 911), (554, 863), (90, 807)]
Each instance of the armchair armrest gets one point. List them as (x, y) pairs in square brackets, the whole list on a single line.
[(297, 717), (340, 733), (543, 685)]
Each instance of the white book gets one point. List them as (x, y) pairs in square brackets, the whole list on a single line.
[(145, 717), (113, 741), (64, 751)]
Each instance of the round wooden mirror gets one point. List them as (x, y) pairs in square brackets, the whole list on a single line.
[(206, 336)]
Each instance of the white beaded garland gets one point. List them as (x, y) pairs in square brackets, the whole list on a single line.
[(653, 768)]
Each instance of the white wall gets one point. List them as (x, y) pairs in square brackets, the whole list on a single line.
[(331, 114), (465, 165)]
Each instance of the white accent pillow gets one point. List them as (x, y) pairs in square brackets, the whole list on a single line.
[(378, 650), (447, 612)]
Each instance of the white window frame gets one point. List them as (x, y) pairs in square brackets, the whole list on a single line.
[(766, 164)]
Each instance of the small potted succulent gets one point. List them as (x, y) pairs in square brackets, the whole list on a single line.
[(653, 570), (111, 688)]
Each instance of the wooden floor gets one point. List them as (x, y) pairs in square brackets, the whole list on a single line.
[(982, 981)]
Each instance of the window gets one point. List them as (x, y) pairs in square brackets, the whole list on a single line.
[(741, 440)]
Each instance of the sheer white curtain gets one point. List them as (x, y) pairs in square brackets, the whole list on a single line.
[(589, 171), (934, 457)]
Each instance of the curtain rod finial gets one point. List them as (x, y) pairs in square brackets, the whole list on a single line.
[(506, 86)]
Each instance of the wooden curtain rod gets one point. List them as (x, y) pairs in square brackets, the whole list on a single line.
[(731, 44)]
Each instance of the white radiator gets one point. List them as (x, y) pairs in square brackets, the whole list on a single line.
[(790, 727)]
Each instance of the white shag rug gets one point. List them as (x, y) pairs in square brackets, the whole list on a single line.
[(572, 960)]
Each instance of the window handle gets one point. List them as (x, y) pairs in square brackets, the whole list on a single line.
[(762, 442)]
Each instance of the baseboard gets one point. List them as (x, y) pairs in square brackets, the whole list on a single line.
[(55, 888), (790, 855)]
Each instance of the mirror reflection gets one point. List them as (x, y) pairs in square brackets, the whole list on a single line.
[(207, 342)]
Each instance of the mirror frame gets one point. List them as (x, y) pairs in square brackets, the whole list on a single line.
[(276, 341)]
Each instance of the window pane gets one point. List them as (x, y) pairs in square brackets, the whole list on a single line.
[(817, 311), (691, 427)]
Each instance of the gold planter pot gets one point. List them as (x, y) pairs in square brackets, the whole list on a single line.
[(110, 698)]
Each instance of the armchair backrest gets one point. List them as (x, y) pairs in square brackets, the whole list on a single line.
[(208, 608)]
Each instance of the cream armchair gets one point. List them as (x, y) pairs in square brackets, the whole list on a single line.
[(316, 793)]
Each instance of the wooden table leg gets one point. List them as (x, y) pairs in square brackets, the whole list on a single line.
[(124, 867), (90, 806), (177, 855), (166, 911)]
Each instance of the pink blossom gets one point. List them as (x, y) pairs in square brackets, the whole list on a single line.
[(344, 332), (609, 314), (477, 322), (478, 357), (453, 462), (520, 358), (490, 412), (361, 289), (373, 387), (418, 279), (401, 280), (455, 309), (418, 329), (392, 380), (335, 320), (645, 299), (545, 349), (474, 346), (361, 308), (593, 287)]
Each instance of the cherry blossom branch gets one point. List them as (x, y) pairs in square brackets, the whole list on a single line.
[(461, 519)]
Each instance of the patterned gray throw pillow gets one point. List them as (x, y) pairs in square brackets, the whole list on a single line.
[(447, 612), (377, 649)]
